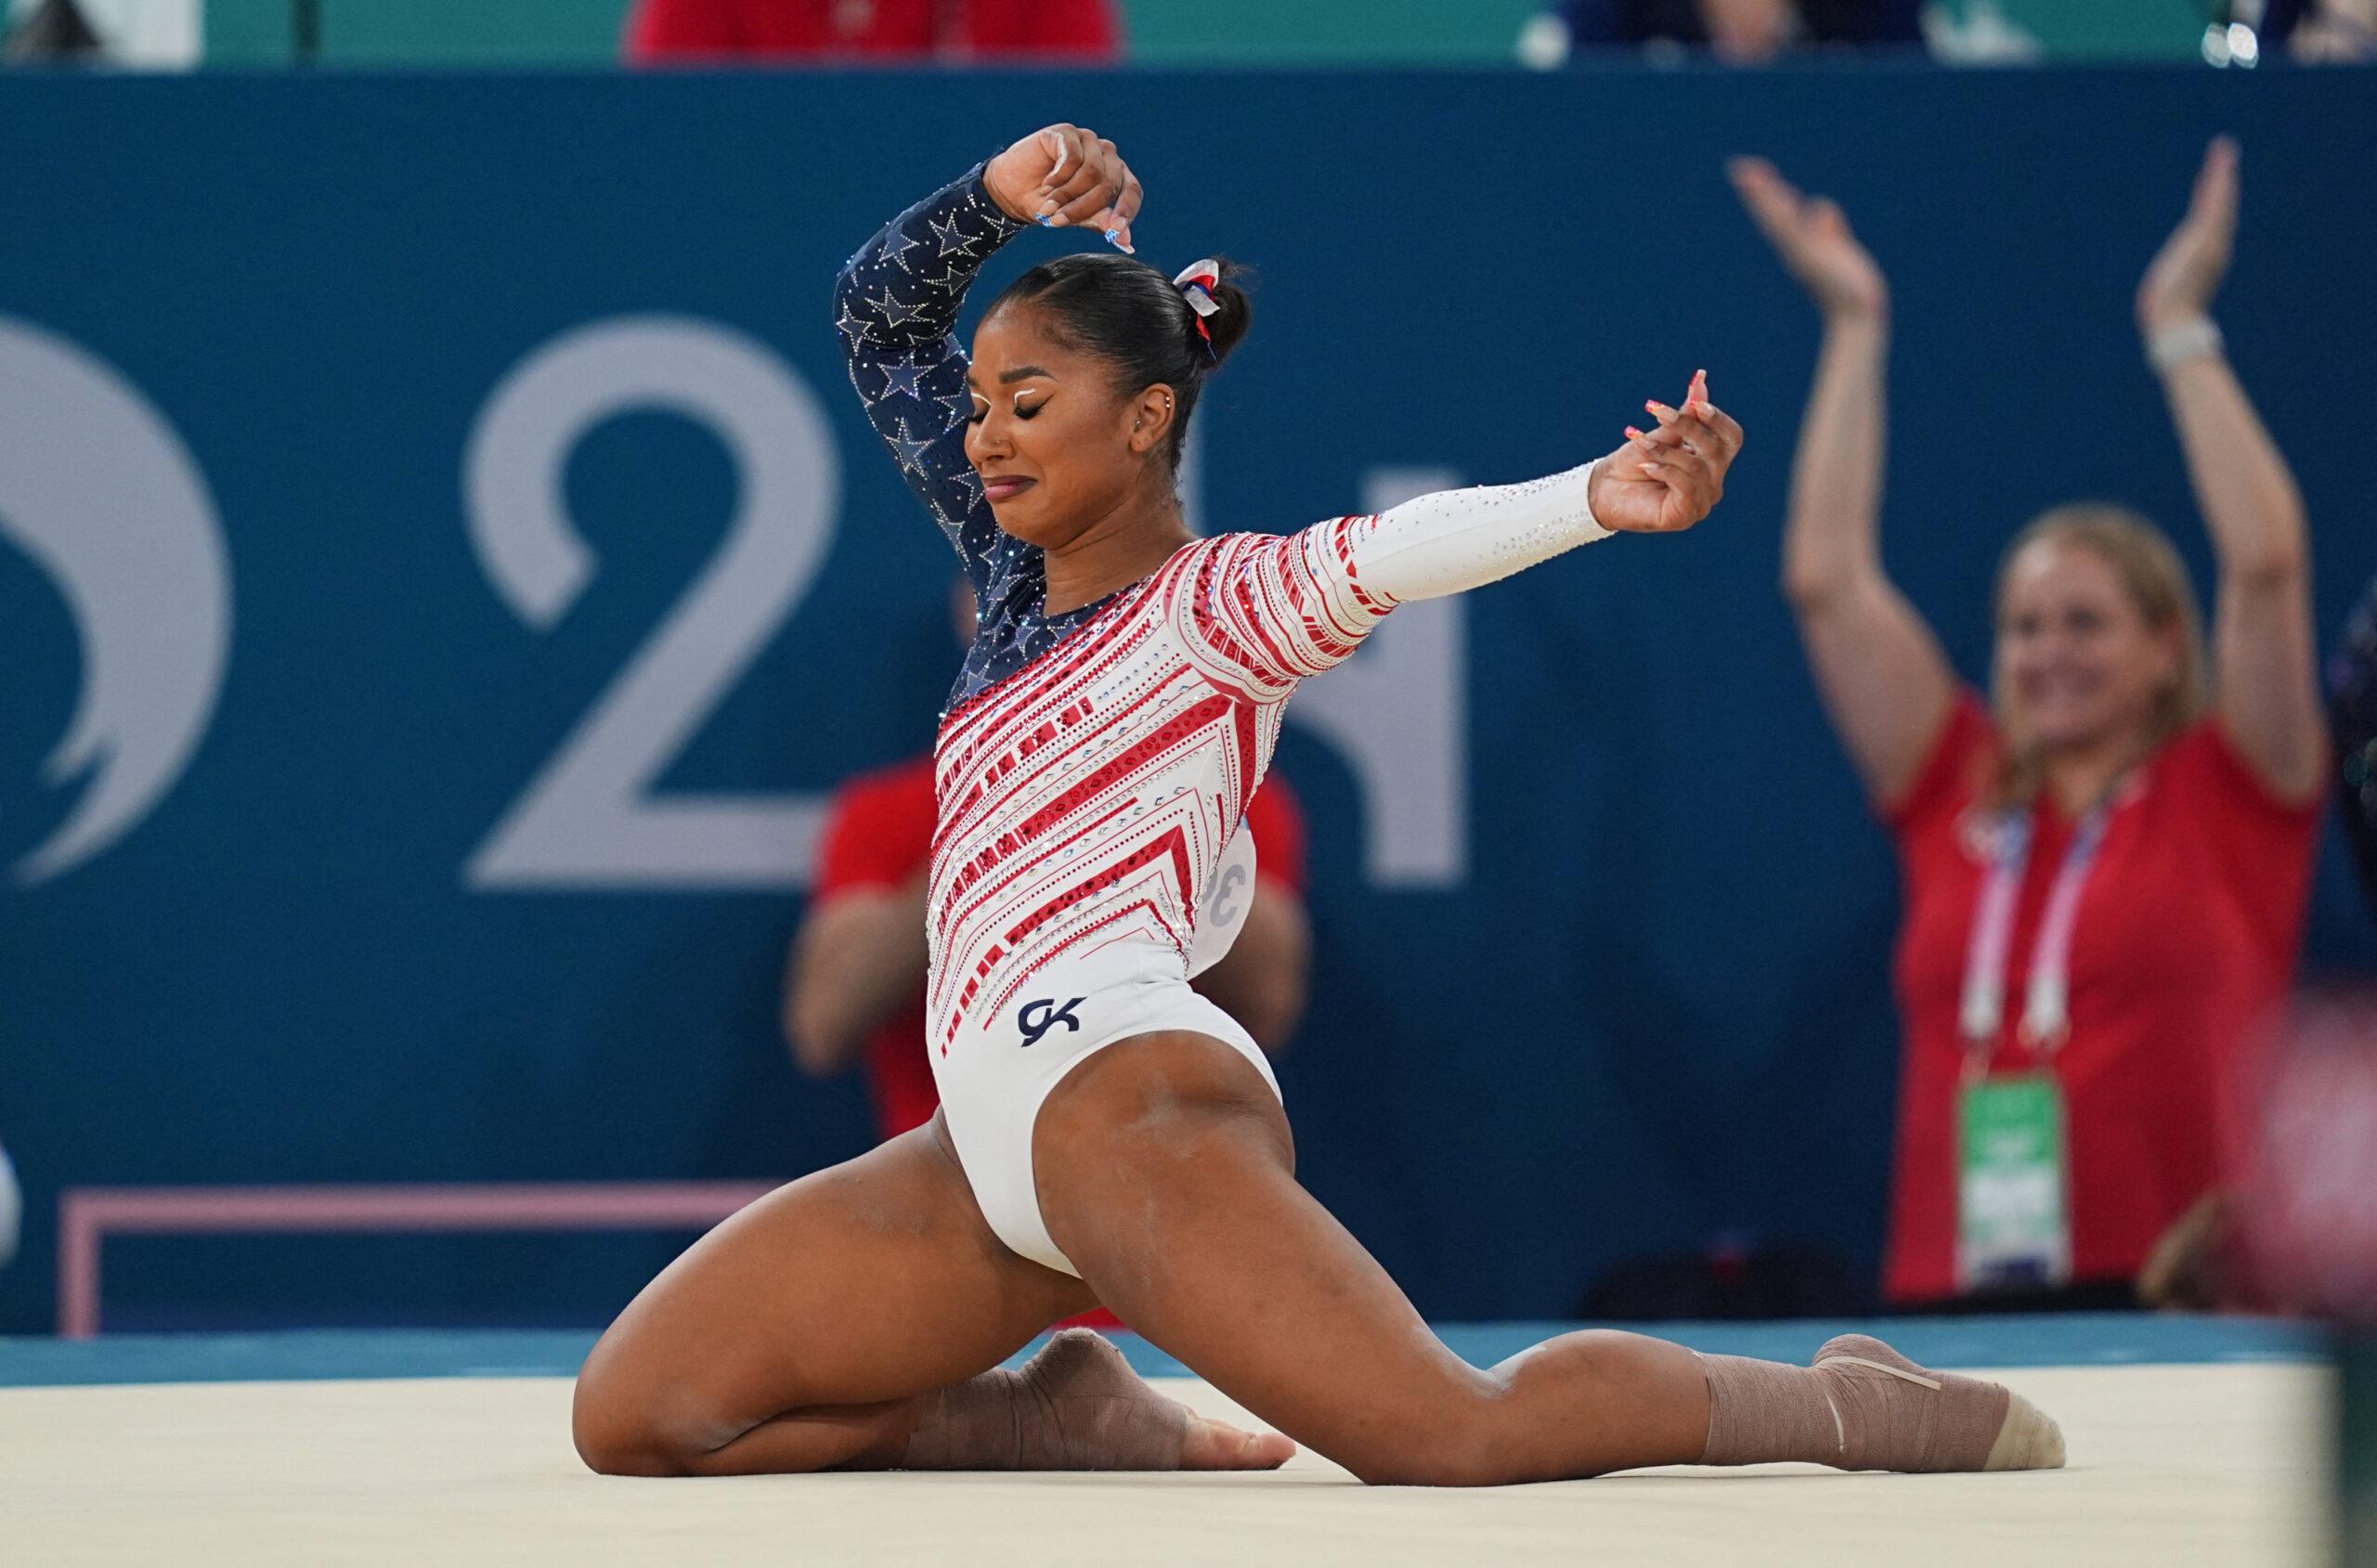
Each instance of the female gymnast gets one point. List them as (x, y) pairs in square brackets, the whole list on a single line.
[(1105, 1134)]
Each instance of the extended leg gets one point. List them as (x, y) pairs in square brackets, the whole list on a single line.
[(1166, 1174), (856, 1318)]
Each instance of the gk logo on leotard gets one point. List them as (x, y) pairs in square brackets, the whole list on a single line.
[(1050, 1017)]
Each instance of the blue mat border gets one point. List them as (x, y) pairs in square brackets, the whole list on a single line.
[(2078, 1340)]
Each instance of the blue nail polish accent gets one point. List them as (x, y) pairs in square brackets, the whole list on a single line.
[(1110, 234), (1043, 220)]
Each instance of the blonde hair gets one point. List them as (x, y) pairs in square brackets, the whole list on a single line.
[(2156, 583)]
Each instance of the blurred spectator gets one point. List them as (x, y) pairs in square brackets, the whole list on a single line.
[(2314, 30), (1741, 31), (143, 34), (1073, 31), (2352, 707), (2106, 875), (54, 30)]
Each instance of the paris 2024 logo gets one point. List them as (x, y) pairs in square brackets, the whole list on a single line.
[(97, 490)]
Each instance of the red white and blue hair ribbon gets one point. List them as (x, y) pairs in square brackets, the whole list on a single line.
[(1196, 282)]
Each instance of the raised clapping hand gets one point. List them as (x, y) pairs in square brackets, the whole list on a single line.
[(1063, 175), (1811, 235), (1666, 479), (2187, 272)]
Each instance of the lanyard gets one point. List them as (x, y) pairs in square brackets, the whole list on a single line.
[(2046, 1008)]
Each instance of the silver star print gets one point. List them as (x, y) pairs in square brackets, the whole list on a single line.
[(912, 450), (949, 282), (1005, 583), (850, 327), (891, 307), (896, 245), (949, 238), (900, 380), (970, 483), (960, 405)]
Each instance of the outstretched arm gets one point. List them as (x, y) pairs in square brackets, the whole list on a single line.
[(1454, 541), (1877, 666), (1281, 609), (2266, 695)]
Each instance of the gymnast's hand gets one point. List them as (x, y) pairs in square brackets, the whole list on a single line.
[(1062, 176), (1665, 481)]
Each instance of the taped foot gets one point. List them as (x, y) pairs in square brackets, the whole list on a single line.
[(1895, 1415), (1078, 1406), (1863, 1406)]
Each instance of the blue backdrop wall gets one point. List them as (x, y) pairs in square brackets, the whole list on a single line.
[(445, 567)]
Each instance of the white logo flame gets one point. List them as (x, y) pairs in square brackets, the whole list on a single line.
[(97, 489)]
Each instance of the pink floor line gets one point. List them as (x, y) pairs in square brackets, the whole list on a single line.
[(87, 1215)]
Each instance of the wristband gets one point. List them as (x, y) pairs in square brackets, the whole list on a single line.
[(2174, 345)]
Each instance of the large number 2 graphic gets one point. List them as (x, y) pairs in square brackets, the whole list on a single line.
[(591, 819)]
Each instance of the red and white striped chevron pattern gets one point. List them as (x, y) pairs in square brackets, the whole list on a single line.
[(1085, 799)]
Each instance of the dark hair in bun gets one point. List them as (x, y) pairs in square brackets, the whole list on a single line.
[(1126, 312)]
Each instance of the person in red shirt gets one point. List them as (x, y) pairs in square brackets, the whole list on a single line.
[(1073, 31), (2106, 873)]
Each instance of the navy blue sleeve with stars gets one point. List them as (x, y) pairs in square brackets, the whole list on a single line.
[(895, 306)]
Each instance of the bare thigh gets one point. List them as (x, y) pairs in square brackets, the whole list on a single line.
[(849, 1291), (1166, 1173)]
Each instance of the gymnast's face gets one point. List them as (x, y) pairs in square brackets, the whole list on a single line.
[(1059, 447), (2075, 652)]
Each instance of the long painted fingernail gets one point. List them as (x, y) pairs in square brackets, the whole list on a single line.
[(1632, 433), (1056, 222), (1657, 409)]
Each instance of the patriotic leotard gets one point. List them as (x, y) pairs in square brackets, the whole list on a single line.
[(1093, 766)]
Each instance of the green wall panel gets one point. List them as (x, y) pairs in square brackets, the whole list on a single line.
[(500, 32), (1204, 31), (247, 32)]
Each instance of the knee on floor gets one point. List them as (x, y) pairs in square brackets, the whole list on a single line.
[(619, 1437), (1417, 1463), (1466, 1448)]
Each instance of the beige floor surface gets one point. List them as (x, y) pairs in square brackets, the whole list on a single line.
[(2170, 1465)]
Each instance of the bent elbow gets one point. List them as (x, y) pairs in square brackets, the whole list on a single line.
[(1811, 593)]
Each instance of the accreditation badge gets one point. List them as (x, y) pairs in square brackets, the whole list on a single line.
[(2013, 1197)]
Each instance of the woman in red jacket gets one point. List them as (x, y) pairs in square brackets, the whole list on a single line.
[(2107, 864)]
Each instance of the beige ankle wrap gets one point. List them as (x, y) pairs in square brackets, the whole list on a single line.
[(1075, 1406), (1863, 1406)]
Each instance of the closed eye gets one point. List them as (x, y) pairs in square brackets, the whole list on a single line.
[(982, 409)]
